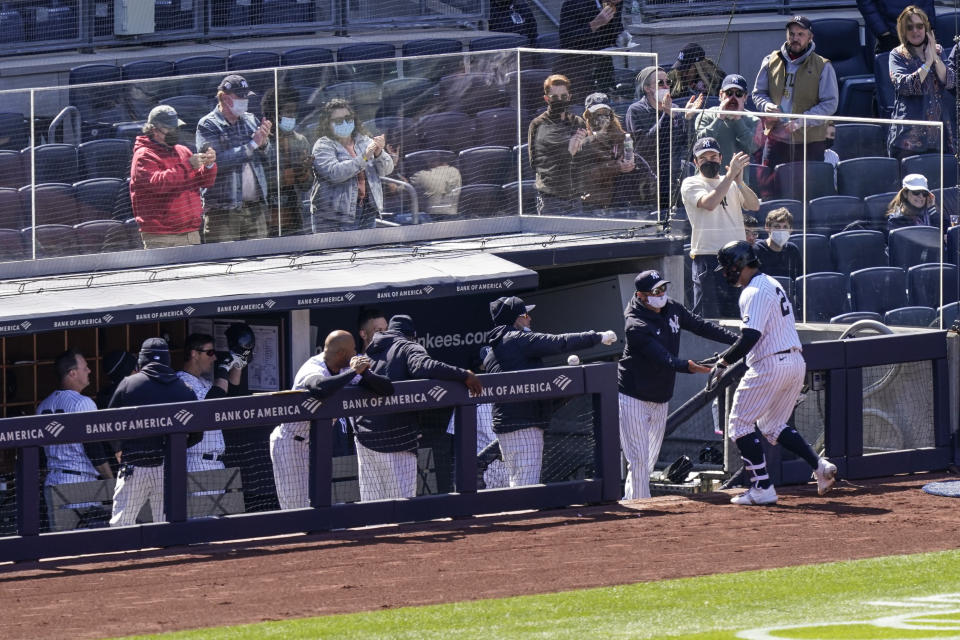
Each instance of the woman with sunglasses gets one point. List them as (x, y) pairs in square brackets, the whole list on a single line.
[(347, 167), (913, 205), (920, 81), (601, 158)]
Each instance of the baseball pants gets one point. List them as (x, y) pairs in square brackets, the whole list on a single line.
[(133, 490), (522, 452), (386, 475), (642, 425), (291, 470), (767, 395)]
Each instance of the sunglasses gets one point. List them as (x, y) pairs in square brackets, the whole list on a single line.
[(661, 83), (914, 26), (659, 291), (209, 352), (923, 194), (734, 92)]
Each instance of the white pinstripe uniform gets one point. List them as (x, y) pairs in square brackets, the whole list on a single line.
[(290, 445), (67, 463), (642, 426), (208, 453), (768, 392), (496, 475)]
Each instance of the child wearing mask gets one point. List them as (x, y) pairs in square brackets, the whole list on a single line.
[(777, 254)]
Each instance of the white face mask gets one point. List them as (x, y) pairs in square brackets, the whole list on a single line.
[(239, 107), (657, 302), (287, 124), (780, 237), (661, 94)]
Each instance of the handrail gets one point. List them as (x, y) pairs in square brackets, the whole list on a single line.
[(409, 188), (73, 130)]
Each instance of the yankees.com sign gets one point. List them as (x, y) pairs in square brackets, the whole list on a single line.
[(274, 408)]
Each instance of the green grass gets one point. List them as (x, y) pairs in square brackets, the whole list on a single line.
[(715, 607)]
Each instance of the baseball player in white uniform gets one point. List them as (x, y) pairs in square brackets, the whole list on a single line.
[(69, 463), (768, 392), (334, 368)]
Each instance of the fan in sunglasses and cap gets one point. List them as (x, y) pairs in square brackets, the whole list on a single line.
[(647, 369), (914, 204), (693, 73), (732, 132), (515, 347)]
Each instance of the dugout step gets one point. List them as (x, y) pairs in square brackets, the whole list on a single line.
[(697, 482)]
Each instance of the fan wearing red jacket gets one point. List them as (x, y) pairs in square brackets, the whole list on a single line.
[(165, 182)]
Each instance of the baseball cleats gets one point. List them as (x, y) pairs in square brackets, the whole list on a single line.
[(756, 495), (826, 475)]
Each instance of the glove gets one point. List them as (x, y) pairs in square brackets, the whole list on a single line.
[(709, 361), (714, 378), (226, 361), (608, 337)]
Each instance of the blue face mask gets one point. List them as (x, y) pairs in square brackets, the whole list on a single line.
[(343, 129)]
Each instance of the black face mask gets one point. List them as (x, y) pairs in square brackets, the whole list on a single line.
[(710, 169), (171, 138), (558, 106), (828, 142)]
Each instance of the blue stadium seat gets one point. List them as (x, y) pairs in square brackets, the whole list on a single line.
[(831, 214), (914, 245), (487, 165), (409, 97), (929, 165), (56, 203), (193, 65), (923, 284), (366, 71), (92, 235), (825, 296), (400, 132), (97, 198), (526, 167), (434, 68), (789, 179), (53, 240), (875, 209), (511, 198), (755, 176), (816, 247), (496, 43), (885, 91), (306, 56), (878, 289), (856, 140), (479, 201), (471, 93), (840, 38), (54, 163), (12, 213), (246, 62), (853, 316), (14, 131), (945, 28), (11, 170), (105, 158), (498, 127), (143, 69), (451, 130), (953, 246), (862, 177), (364, 97), (795, 207), (910, 317), (948, 313), (854, 250), (420, 160), (11, 26), (92, 102), (531, 88), (11, 246), (191, 108)]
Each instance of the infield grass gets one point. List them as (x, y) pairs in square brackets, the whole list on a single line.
[(876, 599)]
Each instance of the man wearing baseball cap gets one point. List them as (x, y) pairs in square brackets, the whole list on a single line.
[(693, 73), (794, 79), (235, 206), (165, 182), (733, 132), (715, 205), (515, 347), (646, 373)]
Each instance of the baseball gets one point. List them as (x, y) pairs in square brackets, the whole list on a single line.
[(573, 360)]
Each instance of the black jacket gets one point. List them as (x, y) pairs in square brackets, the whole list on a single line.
[(156, 383), (501, 19), (399, 358), (515, 350), (649, 364), (587, 73)]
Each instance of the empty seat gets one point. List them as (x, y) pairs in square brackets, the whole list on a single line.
[(531, 88), (875, 209), (366, 71), (53, 240), (831, 214), (451, 130), (910, 317), (862, 177), (470, 92), (432, 68), (885, 91), (92, 235), (143, 69), (246, 61), (755, 176), (855, 250), (94, 100), (12, 246), (914, 245), (99, 198), (53, 163), (400, 132), (929, 165), (790, 178), (105, 158), (14, 131), (816, 248), (55, 204), (421, 160), (512, 200), (409, 97), (12, 213), (795, 207), (821, 296), (304, 56), (924, 280), (948, 314), (487, 165), (498, 127), (953, 246), (878, 289), (855, 316), (194, 65), (11, 169), (860, 140), (191, 108), (479, 200)]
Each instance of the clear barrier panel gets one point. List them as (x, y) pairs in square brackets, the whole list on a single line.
[(897, 407)]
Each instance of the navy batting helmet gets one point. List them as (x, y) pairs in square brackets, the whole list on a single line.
[(733, 257), (240, 340)]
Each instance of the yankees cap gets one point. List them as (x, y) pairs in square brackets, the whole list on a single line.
[(506, 310), (154, 350), (649, 280)]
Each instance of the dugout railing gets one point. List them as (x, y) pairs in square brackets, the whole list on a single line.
[(28, 434)]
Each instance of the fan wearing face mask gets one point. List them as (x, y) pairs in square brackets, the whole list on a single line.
[(715, 204), (296, 162), (777, 254), (235, 207), (647, 371), (601, 158)]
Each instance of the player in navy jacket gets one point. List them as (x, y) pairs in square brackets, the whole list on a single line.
[(647, 372)]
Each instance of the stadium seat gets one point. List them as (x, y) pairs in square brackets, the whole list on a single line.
[(840, 43), (53, 240), (305, 56), (816, 247), (928, 164), (92, 235), (408, 97), (201, 85), (854, 250), (364, 97), (498, 127), (105, 158), (451, 130), (923, 284), (11, 170), (246, 63), (12, 213), (878, 289), (875, 209), (756, 176), (825, 296), (914, 245), (511, 199), (144, 69), (400, 132), (862, 177), (831, 214), (432, 68), (470, 92), (421, 160), (952, 254), (860, 140), (945, 28), (93, 101), (948, 314), (366, 71), (527, 168), (53, 163), (56, 203), (789, 179), (885, 91), (531, 88), (12, 246), (11, 26), (14, 131), (910, 317), (98, 198), (479, 200), (795, 207), (487, 165), (784, 281), (496, 43), (59, 23), (191, 108), (854, 316)]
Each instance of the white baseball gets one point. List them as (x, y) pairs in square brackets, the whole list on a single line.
[(573, 360)]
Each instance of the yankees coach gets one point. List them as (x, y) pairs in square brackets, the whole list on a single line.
[(647, 370), (514, 347)]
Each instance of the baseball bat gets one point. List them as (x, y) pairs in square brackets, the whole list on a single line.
[(703, 397)]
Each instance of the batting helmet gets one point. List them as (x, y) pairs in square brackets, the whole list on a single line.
[(240, 340), (734, 257)]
